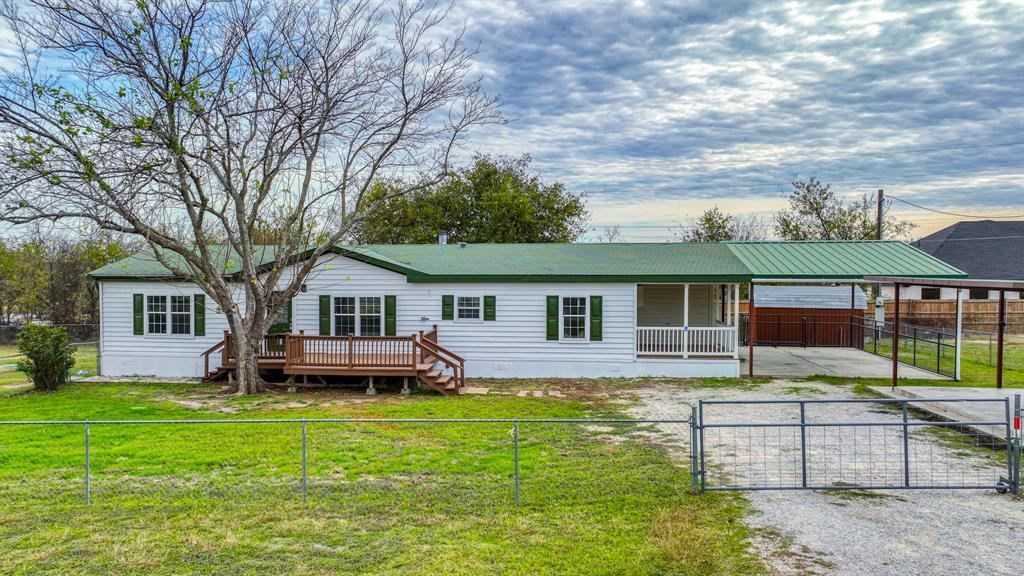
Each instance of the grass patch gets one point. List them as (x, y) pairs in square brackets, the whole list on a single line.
[(383, 498), (802, 390), (977, 361), (85, 361)]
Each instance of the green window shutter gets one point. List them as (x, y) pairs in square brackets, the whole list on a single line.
[(447, 307), (390, 303), (325, 315), (596, 318), (138, 320), (290, 314), (489, 305), (199, 319), (552, 324)]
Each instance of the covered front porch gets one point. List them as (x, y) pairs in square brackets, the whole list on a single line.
[(687, 320)]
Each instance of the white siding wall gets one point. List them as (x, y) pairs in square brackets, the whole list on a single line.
[(514, 345)]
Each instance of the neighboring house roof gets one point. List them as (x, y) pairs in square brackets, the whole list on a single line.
[(819, 297), (983, 249), (666, 262)]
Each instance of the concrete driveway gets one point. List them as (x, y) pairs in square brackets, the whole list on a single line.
[(794, 362)]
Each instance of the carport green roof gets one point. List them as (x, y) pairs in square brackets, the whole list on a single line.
[(665, 262), (839, 259)]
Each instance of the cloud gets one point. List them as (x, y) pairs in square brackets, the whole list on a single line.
[(663, 107)]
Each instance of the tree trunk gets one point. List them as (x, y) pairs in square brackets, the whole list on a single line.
[(247, 351)]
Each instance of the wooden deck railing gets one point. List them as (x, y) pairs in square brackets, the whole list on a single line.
[(413, 353), (350, 351)]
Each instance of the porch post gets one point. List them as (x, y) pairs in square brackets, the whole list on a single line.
[(728, 305), (959, 332), (686, 320), (736, 321)]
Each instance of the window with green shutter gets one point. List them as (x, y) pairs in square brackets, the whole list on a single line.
[(489, 308), (448, 307), (390, 315), (552, 319), (596, 318), (199, 318)]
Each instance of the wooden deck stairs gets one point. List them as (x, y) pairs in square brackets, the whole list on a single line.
[(418, 355)]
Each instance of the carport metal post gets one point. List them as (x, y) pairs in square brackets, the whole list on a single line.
[(895, 334), (999, 338), (751, 330), (959, 332)]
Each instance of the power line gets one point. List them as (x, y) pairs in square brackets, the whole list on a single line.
[(954, 213)]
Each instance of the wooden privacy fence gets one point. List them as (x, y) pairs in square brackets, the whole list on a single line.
[(976, 314)]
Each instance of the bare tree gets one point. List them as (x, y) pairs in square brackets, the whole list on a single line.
[(207, 127), (610, 234)]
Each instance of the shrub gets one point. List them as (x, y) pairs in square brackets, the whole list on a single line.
[(49, 355)]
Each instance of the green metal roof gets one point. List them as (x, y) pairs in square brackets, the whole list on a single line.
[(835, 260), (666, 262), (145, 264)]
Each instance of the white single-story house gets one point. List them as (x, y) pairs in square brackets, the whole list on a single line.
[(503, 310)]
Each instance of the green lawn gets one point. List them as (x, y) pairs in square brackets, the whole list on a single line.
[(975, 369), (85, 359), (383, 498)]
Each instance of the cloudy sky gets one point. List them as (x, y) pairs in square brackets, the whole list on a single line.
[(658, 110)]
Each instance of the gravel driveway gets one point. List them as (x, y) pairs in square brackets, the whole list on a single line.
[(887, 532)]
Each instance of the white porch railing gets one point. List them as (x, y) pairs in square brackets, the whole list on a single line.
[(697, 341)]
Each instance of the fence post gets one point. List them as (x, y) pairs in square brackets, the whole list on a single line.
[(700, 432), (88, 468), (515, 447), (1015, 455), (304, 476), (906, 447), (803, 444), (694, 470)]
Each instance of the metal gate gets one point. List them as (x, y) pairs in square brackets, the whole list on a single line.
[(862, 444)]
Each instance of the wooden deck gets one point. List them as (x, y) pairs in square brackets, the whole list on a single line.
[(418, 355)]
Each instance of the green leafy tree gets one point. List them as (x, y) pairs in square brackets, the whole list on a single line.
[(494, 200), (48, 353), (816, 213)]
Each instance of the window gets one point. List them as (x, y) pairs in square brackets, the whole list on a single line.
[(978, 294), (173, 313), (468, 308), (156, 314), (574, 318), (370, 316), (358, 316), (931, 293), (181, 315)]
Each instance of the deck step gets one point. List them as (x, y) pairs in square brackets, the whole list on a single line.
[(443, 380), (423, 367), (434, 374), (450, 386)]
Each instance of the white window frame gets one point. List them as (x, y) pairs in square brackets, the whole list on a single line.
[(358, 313), (586, 319), (480, 308), (169, 315)]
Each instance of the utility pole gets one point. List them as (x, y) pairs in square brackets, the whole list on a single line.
[(878, 215)]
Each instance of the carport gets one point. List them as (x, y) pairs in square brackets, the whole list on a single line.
[(1002, 286), (833, 263)]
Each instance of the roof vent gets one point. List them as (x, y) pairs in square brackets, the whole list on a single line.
[(442, 238)]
